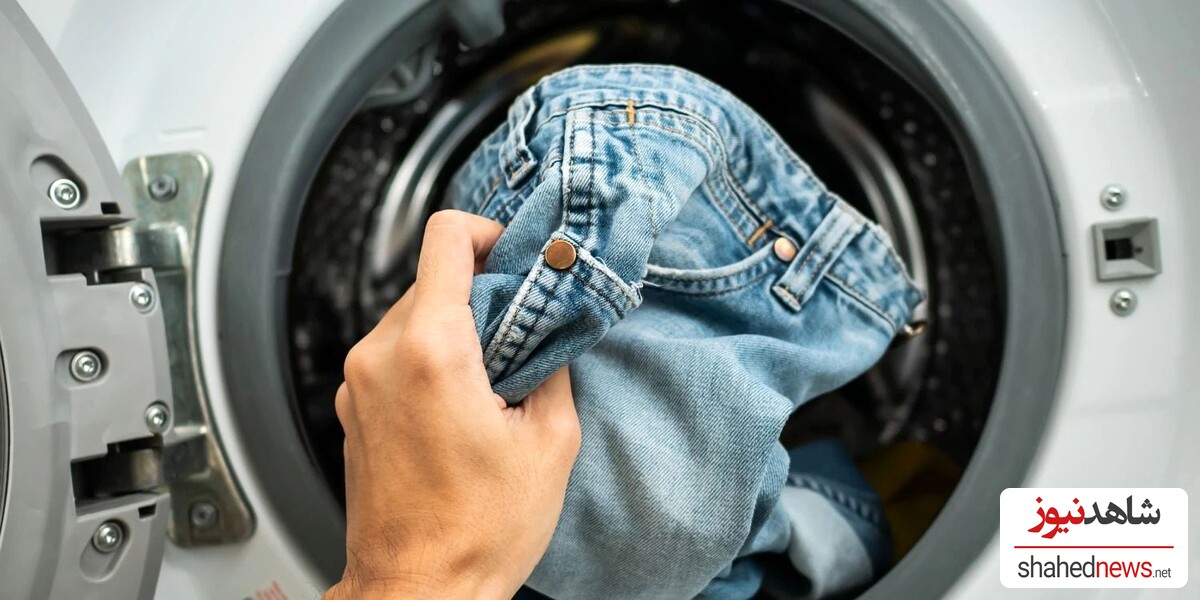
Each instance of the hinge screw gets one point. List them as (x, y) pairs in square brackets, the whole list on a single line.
[(1113, 197), (158, 417), (203, 514), (85, 366), (65, 194), (163, 187), (1123, 302), (108, 537), (142, 297)]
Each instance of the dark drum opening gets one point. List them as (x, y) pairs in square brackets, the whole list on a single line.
[(913, 421)]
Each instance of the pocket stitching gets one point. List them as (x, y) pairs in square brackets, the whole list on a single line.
[(718, 292), (509, 339), (548, 295), (510, 317), (860, 297), (682, 283), (717, 164)]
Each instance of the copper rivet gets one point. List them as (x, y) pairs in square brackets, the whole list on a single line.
[(560, 255), (785, 250)]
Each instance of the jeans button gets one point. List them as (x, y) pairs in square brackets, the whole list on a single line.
[(560, 255), (785, 250)]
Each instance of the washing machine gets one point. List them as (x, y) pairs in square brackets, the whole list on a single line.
[(205, 204)]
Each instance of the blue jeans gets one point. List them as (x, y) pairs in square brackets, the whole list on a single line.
[(702, 283)]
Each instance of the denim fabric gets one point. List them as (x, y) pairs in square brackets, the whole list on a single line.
[(673, 193)]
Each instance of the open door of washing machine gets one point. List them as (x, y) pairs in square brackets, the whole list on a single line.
[(86, 402)]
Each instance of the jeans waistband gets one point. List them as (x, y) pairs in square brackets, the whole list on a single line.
[(776, 191)]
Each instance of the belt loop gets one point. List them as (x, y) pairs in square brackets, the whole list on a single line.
[(516, 160), (831, 237)]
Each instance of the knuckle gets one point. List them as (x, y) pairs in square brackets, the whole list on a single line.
[(446, 218), (353, 366), (342, 405), (360, 363)]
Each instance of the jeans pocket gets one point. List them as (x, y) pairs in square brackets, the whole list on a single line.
[(714, 280)]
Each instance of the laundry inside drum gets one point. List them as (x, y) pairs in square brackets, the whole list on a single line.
[(911, 423)]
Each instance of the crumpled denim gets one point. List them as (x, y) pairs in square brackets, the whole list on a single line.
[(691, 332)]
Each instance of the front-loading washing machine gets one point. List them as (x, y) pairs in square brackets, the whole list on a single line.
[(205, 204)]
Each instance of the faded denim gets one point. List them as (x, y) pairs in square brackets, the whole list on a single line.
[(690, 341)]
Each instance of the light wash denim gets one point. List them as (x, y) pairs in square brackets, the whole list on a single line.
[(690, 339)]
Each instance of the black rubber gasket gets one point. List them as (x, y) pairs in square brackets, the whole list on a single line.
[(347, 55)]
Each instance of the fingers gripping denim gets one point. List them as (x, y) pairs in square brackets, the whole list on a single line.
[(675, 197)]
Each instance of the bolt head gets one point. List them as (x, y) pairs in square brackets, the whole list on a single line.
[(108, 537), (1113, 197), (86, 366), (163, 187), (1123, 302), (141, 296), (158, 417), (65, 194), (203, 514)]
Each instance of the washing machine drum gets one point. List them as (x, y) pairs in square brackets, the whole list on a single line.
[(868, 134), (350, 157), (909, 122)]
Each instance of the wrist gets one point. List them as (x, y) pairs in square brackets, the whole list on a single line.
[(401, 585)]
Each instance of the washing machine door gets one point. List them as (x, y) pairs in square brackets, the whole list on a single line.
[(85, 386)]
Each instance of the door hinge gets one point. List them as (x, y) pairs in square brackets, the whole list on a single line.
[(168, 193)]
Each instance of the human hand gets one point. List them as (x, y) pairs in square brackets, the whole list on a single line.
[(450, 493)]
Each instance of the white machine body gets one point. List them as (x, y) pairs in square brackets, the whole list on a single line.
[(1108, 87)]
